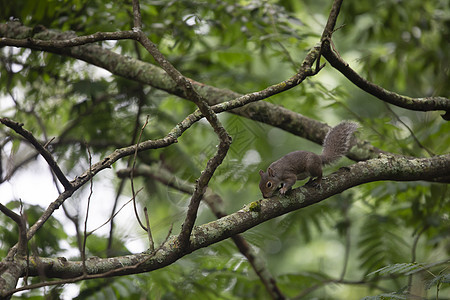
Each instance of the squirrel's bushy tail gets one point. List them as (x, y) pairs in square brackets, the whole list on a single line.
[(338, 141)]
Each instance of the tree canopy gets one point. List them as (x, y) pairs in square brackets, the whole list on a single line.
[(132, 133)]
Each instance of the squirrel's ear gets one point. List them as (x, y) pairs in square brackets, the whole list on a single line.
[(261, 173), (271, 172)]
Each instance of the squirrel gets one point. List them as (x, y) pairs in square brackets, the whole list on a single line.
[(299, 165)]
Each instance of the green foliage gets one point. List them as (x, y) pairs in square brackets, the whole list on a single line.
[(405, 269), (111, 288), (243, 46), (438, 280), (409, 269), (379, 243), (387, 296), (306, 223), (291, 284), (417, 29), (44, 243)]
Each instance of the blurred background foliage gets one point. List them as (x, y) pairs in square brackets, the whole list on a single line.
[(323, 251)]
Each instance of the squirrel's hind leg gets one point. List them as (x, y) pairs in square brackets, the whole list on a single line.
[(315, 182)]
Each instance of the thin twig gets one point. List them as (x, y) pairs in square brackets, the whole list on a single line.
[(48, 142), (347, 239), (333, 57), (141, 102), (10, 214), (132, 178), (430, 153), (414, 249), (115, 214), (76, 224), (149, 232), (85, 235)]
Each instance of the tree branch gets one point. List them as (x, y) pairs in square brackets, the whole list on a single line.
[(210, 115), (17, 127), (146, 73), (214, 202), (132, 178), (137, 20), (107, 162), (418, 104), (134, 136), (191, 94), (332, 18), (21, 224), (13, 268), (224, 137), (384, 168), (68, 42), (10, 271)]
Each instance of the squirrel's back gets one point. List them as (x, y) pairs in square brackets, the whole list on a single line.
[(338, 141)]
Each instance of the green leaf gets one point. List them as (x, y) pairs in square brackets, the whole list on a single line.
[(404, 268), (442, 278), (391, 296)]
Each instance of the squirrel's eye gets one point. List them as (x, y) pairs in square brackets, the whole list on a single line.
[(269, 184)]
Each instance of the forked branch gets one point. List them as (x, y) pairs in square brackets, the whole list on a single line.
[(191, 94)]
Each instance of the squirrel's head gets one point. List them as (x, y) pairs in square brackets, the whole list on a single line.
[(268, 183)]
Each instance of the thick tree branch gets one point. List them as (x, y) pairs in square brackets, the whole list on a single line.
[(383, 168), (137, 20), (214, 202), (17, 127), (8, 279), (14, 268), (71, 40)]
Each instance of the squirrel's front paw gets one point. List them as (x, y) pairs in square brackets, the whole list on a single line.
[(283, 190)]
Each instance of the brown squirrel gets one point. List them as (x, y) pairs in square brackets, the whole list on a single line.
[(299, 165)]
